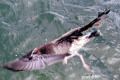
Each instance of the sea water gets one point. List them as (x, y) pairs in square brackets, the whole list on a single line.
[(26, 24)]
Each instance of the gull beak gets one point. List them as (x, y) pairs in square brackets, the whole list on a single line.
[(94, 34)]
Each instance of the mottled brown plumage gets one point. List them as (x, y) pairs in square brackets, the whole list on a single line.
[(59, 49)]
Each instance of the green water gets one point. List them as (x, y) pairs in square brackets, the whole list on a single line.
[(26, 24)]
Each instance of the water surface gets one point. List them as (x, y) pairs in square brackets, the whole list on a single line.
[(26, 24)]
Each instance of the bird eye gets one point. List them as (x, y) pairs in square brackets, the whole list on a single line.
[(34, 52), (30, 58)]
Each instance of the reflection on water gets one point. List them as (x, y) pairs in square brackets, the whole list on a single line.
[(26, 24)]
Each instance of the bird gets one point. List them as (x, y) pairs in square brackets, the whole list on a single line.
[(60, 49)]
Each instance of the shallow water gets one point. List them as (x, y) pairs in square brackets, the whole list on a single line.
[(26, 24)]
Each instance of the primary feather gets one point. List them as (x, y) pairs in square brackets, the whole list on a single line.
[(23, 64)]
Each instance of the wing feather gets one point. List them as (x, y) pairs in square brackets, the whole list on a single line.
[(24, 63), (50, 59)]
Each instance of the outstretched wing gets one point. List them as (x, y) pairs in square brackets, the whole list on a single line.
[(24, 63)]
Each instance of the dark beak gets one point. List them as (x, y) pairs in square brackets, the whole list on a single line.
[(94, 34)]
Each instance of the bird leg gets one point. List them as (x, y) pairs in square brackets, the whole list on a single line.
[(66, 58), (83, 62), (82, 59)]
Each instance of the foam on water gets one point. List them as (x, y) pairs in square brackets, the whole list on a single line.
[(26, 24)]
